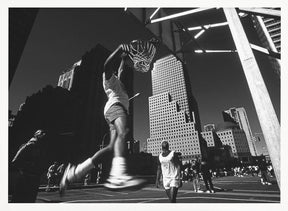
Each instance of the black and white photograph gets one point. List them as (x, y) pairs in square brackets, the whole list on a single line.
[(138, 104)]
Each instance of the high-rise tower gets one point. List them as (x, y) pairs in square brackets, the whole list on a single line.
[(173, 111), (240, 117)]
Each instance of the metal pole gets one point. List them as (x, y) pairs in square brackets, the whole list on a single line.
[(267, 117)]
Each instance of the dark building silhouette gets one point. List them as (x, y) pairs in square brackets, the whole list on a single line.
[(42, 111), (78, 111)]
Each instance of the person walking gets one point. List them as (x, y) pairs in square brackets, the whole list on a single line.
[(169, 165), (206, 174), (195, 176), (29, 163), (51, 176), (264, 176)]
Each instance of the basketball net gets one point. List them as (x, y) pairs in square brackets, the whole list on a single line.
[(141, 53)]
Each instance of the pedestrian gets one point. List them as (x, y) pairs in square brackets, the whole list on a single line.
[(51, 175), (59, 173), (87, 179), (116, 115), (195, 176), (264, 175), (29, 163), (170, 166), (206, 174)]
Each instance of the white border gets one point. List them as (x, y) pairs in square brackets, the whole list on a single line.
[(116, 3)]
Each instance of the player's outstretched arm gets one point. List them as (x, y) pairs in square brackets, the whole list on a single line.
[(109, 67)]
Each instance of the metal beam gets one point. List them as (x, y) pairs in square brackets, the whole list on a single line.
[(266, 51), (177, 15), (154, 13), (207, 26), (214, 51), (267, 117), (199, 34), (262, 12), (191, 38)]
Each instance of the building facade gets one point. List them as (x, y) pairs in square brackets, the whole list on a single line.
[(172, 114), (209, 127), (66, 79), (239, 116), (209, 138), (236, 139)]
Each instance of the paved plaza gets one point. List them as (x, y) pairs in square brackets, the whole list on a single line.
[(229, 189)]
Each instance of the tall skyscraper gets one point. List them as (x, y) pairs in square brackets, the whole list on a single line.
[(240, 117), (173, 111)]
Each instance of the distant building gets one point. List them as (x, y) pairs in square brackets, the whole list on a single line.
[(173, 111), (211, 138), (240, 117), (230, 134), (219, 155), (209, 127), (66, 79)]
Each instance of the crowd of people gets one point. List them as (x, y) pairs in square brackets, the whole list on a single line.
[(192, 173)]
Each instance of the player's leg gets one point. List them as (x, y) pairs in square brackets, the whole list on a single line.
[(119, 177), (205, 179), (173, 194), (74, 173), (166, 185), (168, 193), (194, 184), (210, 184)]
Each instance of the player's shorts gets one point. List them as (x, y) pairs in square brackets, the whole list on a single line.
[(114, 112), (171, 182)]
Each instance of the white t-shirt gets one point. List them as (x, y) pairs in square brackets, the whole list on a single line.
[(169, 169), (115, 92)]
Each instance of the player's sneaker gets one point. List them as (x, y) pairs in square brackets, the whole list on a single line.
[(124, 182), (64, 181)]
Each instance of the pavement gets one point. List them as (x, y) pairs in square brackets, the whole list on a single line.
[(229, 189)]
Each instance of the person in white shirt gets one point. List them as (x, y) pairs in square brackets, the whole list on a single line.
[(169, 165), (116, 115)]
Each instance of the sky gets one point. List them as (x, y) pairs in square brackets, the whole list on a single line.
[(60, 37)]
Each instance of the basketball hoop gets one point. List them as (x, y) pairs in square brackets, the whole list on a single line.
[(141, 53)]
